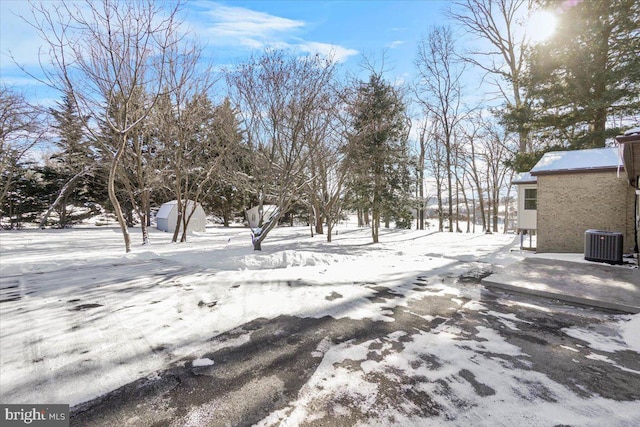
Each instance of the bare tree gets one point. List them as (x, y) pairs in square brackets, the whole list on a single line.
[(423, 140), (471, 151), (187, 131), (278, 94), (439, 92), (499, 22), (497, 149), (435, 162), (331, 162), (108, 52)]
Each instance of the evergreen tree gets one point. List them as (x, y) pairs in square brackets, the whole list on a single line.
[(26, 198), (229, 191), (73, 164), (587, 73), (379, 150)]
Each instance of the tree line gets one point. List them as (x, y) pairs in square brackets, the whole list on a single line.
[(138, 122)]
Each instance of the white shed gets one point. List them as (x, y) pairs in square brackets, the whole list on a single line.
[(167, 217), (253, 214)]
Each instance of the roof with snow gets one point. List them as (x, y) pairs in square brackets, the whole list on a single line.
[(578, 160), (525, 178), (632, 131)]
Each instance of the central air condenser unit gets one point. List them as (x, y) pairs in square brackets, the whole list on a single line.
[(603, 246)]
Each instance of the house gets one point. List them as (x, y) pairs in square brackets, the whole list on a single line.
[(575, 191), (630, 144), (167, 217), (255, 218)]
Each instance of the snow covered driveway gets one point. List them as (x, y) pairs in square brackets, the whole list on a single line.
[(305, 333)]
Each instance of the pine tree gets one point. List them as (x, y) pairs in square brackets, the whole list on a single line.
[(379, 150), (587, 73), (228, 191), (74, 162)]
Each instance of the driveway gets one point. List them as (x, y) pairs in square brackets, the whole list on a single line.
[(460, 355)]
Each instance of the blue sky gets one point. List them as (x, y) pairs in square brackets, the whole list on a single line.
[(232, 30)]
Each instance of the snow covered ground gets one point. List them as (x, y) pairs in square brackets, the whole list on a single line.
[(79, 318)]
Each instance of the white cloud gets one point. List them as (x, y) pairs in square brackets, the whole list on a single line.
[(229, 26), (334, 52), (394, 44), (246, 27)]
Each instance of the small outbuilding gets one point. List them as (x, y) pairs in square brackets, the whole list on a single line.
[(571, 192), (167, 217)]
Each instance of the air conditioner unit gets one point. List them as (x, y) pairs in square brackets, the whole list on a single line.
[(603, 246)]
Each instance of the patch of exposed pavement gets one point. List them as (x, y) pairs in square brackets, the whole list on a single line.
[(266, 372)]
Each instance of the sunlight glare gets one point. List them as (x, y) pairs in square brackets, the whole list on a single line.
[(541, 26)]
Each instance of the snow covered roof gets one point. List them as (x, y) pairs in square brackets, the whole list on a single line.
[(525, 178), (578, 160), (632, 131)]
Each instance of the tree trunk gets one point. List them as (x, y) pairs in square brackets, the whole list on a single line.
[(496, 207), (440, 208), (257, 238), (174, 239), (506, 211), (61, 196), (318, 217), (226, 216), (449, 185), (375, 224), (111, 187), (145, 217), (187, 219), (465, 200)]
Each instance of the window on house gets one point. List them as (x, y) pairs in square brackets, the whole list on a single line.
[(530, 199)]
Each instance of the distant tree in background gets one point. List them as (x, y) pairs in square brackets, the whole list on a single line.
[(22, 126), (229, 190), (587, 73), (438, 90), (435, 163)]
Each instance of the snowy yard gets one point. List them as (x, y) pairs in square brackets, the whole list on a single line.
[(80, 319)]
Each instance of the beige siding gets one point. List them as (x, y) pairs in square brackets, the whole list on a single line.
[(570, 204)]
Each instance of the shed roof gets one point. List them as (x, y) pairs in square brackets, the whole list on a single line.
[(525, 178), (633, 131), (167, 207), (578, 160)]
